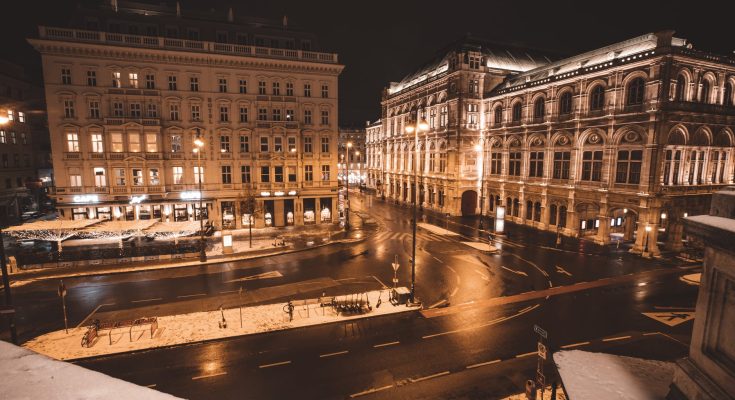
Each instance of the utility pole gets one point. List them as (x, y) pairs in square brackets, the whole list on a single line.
[(62, 294), (8, 296)]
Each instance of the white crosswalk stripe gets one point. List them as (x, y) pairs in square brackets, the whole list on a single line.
[(424, 236)]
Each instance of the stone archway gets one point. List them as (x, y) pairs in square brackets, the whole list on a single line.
[(469, 202)]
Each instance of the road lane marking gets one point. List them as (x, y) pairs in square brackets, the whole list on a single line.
[(380, 282), (333, 354), (437, 259), (526, 354), (438, 303), (513, 271), (152, 385), (141, 301), (372, 390), (561, 270), (386, 344), (485, 277), (423, 378), (274, 364), (612, 339), (183, 296), (94, 311), (227, 291), (264, 275), (569, 346), (482, 364), (209, 375), (454, 291)]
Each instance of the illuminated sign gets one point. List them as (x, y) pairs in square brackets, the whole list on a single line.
[(190, 195), (86, 198), (292, 193), (138, 199), (499, 219), (279, 193), (265, 194)]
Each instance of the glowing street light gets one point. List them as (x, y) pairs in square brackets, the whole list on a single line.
[(199, 143), (419, 126)]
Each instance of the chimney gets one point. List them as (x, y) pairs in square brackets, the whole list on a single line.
[(664, 38)]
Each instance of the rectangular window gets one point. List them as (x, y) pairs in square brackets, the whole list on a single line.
[(3, 137), (119, 176), (307, 144), (23, 138), (562, 160), (97, 143), (174, 112), (514, 163), (226, 174), (222, 85), (244, 144), (138, 177), (628, 169), (278, 173), (289, 115), (176, 144), (265, 174), (325, 173), (69, 108), (100, 180), (178, 175), (276, 114), (135, 111), (117, 109), (134, 142), (262, 114), (150, 81), (72, 142), (224, 113), (443, 115), (261, 87), (224, 144), (325, 117), (116, 140), (133, 79), (94, 109), (91, 78), (291, 174), (536, 164), (325, 144), (13, 139), (172, 82), (264, 144), (308, 173), (276, 88), (243, 85), (289, 88), (153, 177), (75, 179), (198, 175), (325, 91), (291, 144), (496, 163), (21, 116), (116, 79), (66, 76), (278, 144), (592, 166), (307, 117), (245, 173), (151, 142), (195, 113), (194, 84), (243, 114), (152, 110), (307, 90)]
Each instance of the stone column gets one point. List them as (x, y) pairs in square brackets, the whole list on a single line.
[(603, 231), (629, 227), (675, 233)]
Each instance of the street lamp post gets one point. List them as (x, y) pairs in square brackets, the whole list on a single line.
[(199, 143), (480, 148), (419, 126), (645, 245), (347, 185), (6, 280), (359, 172)]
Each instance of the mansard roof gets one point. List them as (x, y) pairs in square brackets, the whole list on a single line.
[(505, 57)]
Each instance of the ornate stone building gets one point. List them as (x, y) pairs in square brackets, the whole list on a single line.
[(622, 141), (128, 90)]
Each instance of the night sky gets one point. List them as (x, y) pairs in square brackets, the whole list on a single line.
[(381, 41)]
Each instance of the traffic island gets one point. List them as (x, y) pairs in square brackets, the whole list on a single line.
[(113, 337)]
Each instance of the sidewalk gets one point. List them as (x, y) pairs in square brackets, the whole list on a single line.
[(205, 326)]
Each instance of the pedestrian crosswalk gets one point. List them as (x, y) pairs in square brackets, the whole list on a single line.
[(420, 236)]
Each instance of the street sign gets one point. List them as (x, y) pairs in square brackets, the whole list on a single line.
[(540, 331), (62, 289), (541, 381), (541, 350), (395, 266)]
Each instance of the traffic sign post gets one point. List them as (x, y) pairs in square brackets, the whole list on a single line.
[(62, 294), (395, 266), (542, 352)]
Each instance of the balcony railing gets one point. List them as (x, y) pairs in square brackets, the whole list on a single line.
[(157, 42)]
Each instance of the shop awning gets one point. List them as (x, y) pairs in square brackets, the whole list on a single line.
[(56, 225), (121, 226), (185, 227)]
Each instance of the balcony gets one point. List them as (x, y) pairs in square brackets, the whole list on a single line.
[(225, 155), (138, 120), (138, 189), (96, 156), (73, 156), (174, 156), (152, 156), (157, 42), (117, 156)]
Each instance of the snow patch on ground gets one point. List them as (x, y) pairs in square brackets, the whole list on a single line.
[(600, 376), (27, 375), (481, 246), (201, 326)]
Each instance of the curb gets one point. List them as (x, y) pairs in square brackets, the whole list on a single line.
[(91, 358)]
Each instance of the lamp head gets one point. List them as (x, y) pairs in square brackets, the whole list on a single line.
[(3, 120), (423, 125), (349, 144), (648, 228), (478, 148), (410, 128)]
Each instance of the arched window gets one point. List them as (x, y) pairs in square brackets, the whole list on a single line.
[(498, 115), (728, 94), (704, 97), (636, 89), (537, 211), (529, 209), (552, 214), (681, 82), (565, 103), (597, 98), (517, 107), (539, 108), (562, 217)]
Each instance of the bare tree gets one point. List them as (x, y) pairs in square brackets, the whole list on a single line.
[(248, 204)]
